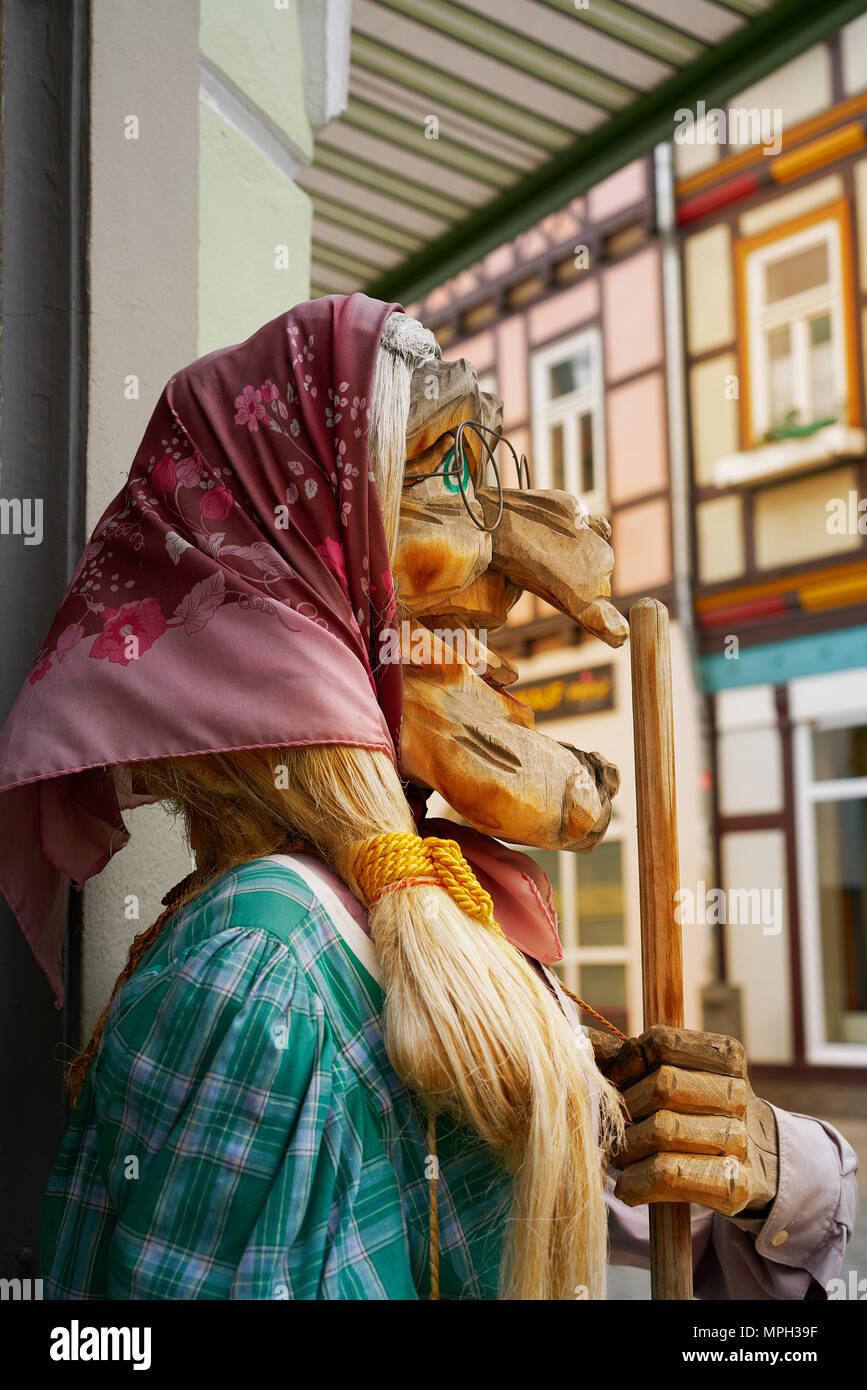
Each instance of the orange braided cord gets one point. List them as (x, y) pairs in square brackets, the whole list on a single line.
[(404, 883), (385, 859), (600, 1018), (433, 1212)]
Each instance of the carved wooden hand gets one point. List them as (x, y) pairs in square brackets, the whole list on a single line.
[(697, 1131)]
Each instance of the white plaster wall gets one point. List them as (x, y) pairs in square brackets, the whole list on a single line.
[(143, 321), (248, 209), (749, 756), (799, 89), (258, 46), (184, 225), (853, 43), (759, 960)]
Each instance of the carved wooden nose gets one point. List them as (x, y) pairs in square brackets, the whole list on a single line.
[(546, 544)]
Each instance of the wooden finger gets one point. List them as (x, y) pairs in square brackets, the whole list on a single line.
[(603, 620), (677, 1047), (688, 1092), (720, 1183), (604, 1045), (666, 1131)]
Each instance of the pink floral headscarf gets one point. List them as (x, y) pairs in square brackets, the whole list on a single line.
[(235, 594)]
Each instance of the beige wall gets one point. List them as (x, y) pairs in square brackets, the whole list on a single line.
[(791, 205), (853, 45), (720, 534), (621, 190), (758, 961), (642, 546), (247, 212), (627, 295), (258, 46), (255, 137), (710, 298), (861, 218), (791, 521), (714, 413), (749, 755), (798, 89), (143, 225), (511, 369)]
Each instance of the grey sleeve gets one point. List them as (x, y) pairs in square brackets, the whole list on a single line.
[(790, 1254)]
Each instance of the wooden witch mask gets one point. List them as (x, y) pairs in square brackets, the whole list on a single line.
[(466, 550)]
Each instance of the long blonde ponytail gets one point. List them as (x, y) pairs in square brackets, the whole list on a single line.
[(473, 1031)]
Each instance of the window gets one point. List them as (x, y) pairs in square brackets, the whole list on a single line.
[(796, 330), (568, 426), (589, 898), (832, 761)]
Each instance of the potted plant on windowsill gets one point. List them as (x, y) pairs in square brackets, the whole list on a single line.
[(791, 448)]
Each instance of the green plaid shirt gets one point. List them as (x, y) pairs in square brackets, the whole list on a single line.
[(242, 1134)]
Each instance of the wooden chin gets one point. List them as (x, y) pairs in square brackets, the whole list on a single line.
[(464, 736)]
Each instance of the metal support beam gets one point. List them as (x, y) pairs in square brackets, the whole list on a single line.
[(764, 44)]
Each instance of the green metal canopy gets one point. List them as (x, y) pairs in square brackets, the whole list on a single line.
[(468, 122)]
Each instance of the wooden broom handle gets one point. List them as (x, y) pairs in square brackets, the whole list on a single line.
[(659, 881)]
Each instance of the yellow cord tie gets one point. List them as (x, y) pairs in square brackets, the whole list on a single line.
[(385, 861)]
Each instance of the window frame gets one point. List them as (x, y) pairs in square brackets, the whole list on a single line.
[(575, 956), (830, 223), (809, 792), (546, 412)]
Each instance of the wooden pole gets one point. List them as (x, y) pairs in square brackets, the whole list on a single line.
[(659, 881)]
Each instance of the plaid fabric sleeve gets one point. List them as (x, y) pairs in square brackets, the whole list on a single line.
[(236, 1146)]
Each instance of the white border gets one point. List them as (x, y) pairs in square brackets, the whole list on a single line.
[(358, 942)]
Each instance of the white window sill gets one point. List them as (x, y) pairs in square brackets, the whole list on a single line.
[(789, 456)]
